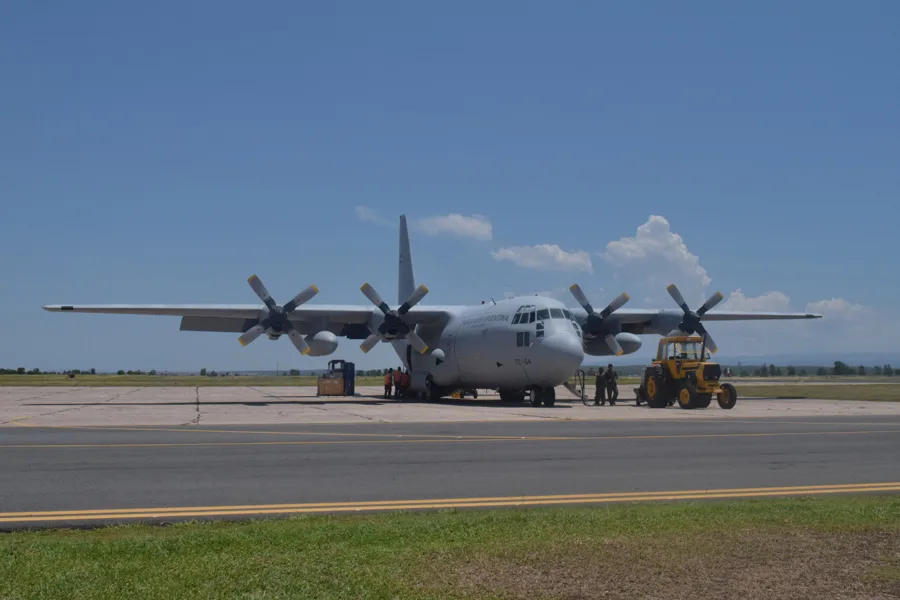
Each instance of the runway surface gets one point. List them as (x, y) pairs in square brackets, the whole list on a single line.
[(71, 475)]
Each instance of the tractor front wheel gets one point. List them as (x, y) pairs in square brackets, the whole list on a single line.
[(687, 396), (727, 396), (655, 391)]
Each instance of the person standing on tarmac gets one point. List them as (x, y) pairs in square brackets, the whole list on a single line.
[(397, 374), (612, 386), (600, 388), (388, 379)]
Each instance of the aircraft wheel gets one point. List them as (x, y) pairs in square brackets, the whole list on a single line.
[(687, 396), (549, 397), (537, 396), (727, 398)]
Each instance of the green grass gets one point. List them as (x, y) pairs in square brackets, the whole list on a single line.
[(749, 549), (167, 380), (881, 392)]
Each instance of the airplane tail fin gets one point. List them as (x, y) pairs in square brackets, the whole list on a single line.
[(406, 283)]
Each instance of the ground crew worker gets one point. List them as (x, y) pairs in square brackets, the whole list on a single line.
[(397, 375), (612, 386), (388, 379), (405, 380), (600, 388)]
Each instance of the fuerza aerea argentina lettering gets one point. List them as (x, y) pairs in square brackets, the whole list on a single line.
[(485, 319)]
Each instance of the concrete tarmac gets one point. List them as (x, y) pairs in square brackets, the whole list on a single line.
[(82, 475), (300, 405)]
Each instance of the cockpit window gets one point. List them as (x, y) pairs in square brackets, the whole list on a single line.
[(531, 320), (516, 318), (568, 315), (543, 314), (556, 313)]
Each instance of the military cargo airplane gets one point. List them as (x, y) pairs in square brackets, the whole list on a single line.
[(518, 346)]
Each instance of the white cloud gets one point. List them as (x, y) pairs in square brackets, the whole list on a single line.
[(658, 254), (477, 227), (839, 308), (546, 257), (364, 213), (768, 302)]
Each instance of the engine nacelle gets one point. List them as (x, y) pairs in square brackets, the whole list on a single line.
[(597, 347), (322, 344)]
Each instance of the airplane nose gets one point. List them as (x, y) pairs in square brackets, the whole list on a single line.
[(561, 354)]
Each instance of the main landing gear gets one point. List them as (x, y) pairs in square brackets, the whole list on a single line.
[(545, 396)]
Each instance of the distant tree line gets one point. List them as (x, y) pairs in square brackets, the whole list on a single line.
[(839, 369), (23, 371)]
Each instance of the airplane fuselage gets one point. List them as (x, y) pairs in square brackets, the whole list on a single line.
[(514, 344)]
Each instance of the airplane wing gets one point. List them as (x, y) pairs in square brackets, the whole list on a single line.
[(350, 321), (648, 321), (732, 315), (637, 315)]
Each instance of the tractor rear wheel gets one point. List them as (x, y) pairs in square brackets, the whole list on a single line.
[(727, 397), (655, 391), (704, 400), (687, 396)]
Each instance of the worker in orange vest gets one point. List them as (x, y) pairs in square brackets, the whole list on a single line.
[(397, 375), (388, 379), (405, 380)]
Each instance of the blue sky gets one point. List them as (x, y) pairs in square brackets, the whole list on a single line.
[(162, 153)]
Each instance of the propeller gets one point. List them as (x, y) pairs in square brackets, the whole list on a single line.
[(596, 325), (277, 320), (690, 323), (394, 326)]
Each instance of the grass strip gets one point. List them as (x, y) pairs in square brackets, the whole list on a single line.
[(801, 547)]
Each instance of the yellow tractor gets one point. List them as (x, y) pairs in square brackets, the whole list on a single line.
[(683, 373)]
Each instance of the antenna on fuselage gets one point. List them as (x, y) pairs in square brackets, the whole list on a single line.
[(494, 301)]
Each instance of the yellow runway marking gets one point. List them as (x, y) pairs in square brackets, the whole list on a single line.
[(490, 502), (410, 439)]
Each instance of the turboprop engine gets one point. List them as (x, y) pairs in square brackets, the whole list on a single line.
[(627, 342), (321, 344)]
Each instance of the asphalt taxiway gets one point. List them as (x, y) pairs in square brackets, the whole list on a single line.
[(83, 475)]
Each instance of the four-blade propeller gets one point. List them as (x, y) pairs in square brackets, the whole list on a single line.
[(277, 321), (596, 325), (690, 323), (394, 326)]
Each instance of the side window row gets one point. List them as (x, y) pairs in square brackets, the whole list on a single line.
[(523, 338)]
